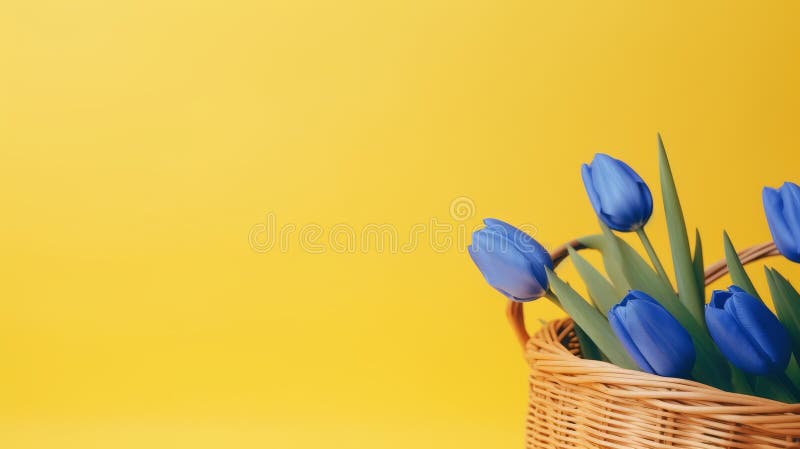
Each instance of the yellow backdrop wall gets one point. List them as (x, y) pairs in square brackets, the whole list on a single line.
[(149, 149)]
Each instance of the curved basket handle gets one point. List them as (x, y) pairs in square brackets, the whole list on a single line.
[(516, 315)]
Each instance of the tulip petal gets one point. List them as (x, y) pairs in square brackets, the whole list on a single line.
[(644, 192), (747, 333), (665, 343), (504, 267), (524, 242), (535, 253), (763, 329), (733, 342), (790, 196), (616, 317), (719, 298), (619, 193), (778, 226), (588, 184)]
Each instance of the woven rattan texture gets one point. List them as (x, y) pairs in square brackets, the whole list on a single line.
[(577, 403)]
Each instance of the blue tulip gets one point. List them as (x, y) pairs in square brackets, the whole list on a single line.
[(618, 195), (782, 207), (747, 333), (654, 339), (511, 261)]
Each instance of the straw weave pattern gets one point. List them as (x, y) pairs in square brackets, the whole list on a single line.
[(577, 403)]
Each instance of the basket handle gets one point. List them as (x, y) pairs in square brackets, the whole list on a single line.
[(516, 315)]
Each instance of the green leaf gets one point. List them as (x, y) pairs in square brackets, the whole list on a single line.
[(697, 261), (742, 382), (793, 371), (735, 267), (612, 259), (591, 321), (600, 290), (635, 272), (688, 291), (787, 306), (768, 387), (589, 350)]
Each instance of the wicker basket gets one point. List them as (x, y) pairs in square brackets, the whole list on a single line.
[(577, 403)]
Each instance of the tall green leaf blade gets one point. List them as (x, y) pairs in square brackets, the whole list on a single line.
[(600, 290), (735, 267), (688, 292), (592, 322), (742, 382), (697, 261), (589, 350), (641, 275), (767, 387), (612, 259), (787, 306), (635, 272), (793, 371)]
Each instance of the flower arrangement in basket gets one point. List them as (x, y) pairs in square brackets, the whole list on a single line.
[(643, 363)]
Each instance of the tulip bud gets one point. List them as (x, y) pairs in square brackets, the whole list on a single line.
[(654, 339), (511, 261), (747, 332), (782, 207), (618, 195)]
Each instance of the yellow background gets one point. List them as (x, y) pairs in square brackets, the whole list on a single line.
[(140, 141)]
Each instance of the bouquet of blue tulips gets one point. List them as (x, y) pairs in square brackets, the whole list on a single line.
[(634, 317)]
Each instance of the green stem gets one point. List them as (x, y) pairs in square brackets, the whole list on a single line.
[(789, 385), (653, 256)]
